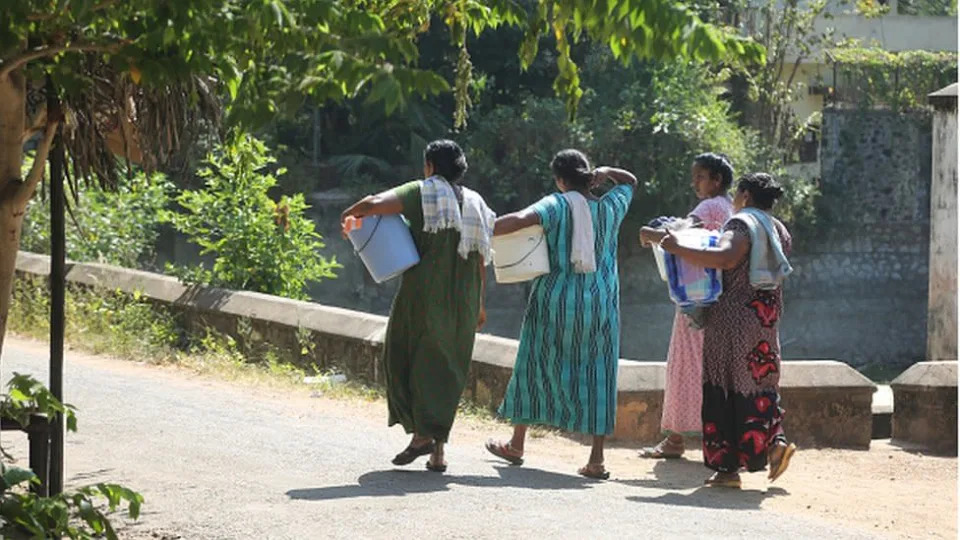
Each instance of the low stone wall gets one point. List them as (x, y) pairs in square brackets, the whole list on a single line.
[(925, 406), (827, 402)]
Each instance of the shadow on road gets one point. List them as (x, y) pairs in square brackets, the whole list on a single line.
[(91, 476), (673, 474), (394, 483), (717, 498), (684, 474)]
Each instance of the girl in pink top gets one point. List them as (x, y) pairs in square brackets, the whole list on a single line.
[(712, 176)]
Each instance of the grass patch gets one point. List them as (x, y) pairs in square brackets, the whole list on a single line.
[(130, 327)]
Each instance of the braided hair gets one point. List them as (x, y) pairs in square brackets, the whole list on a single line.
[(573, 168), (762, 187)]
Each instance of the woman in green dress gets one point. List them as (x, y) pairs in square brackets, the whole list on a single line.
[(439, 306)]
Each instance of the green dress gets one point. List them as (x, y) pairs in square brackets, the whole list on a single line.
[(432, 326)]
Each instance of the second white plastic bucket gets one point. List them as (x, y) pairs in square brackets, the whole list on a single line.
[(521, 255)]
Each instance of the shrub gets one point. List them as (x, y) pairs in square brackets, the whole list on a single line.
[(257, 244), (118, 227)]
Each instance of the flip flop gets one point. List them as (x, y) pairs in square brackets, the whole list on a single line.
[(783, 463), (500, 450), (411, 453), (597, 472), (726, 483), (442, 468)]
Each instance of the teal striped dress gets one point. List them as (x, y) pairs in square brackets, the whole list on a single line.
[(566, 370)]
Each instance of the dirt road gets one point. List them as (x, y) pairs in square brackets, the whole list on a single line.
[(220, 460)]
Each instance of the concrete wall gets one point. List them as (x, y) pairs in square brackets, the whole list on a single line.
[(942, 312), (894, 32), (865, 273), (870, 262), (828, 403)]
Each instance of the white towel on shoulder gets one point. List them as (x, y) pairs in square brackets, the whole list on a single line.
[(582, 255), (768, 264), (441, 210)]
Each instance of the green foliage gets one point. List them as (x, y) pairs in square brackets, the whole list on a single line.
[(787, 30), (26, 395), (872, 9), (113, 227), (936, 8), (269, 55), (104, 321), (798, 206), (652, 119), (871, 77), (77, 515), (257, 244), (509, 150)]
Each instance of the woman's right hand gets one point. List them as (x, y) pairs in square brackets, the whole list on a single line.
[(482, 318), (599, 175), (669, 242)]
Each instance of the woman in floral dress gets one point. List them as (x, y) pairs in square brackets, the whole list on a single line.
[(741, 412)]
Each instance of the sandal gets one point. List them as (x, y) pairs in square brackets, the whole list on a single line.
[(441, 468), (411, 453), (660, 451), (778, 467), (505, 451), (594, 470), (723, 482)]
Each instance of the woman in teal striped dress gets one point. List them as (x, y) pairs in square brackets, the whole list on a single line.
[(565, 374)]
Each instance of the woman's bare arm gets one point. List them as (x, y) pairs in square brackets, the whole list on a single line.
[(384, 203), (731, 251), (618, 176), (516, 221)]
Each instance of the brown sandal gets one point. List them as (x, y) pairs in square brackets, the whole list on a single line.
[(659, 451), (778, 467), (504, 451), (411, 453), (594, 470), (716, 481)]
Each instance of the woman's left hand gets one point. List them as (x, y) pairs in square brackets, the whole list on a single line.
[(649, 236)]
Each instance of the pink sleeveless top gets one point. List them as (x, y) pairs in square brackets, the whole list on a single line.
[(714, 212)]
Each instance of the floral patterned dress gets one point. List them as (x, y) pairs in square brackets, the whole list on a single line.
[(682, 393), (741, 368)]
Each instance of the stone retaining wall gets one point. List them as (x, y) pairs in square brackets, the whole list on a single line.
[(827, 402)]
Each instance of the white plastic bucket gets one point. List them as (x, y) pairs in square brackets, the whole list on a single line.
[(385, 246), (521, 255), (658, 255)]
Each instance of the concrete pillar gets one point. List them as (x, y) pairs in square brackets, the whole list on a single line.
[(925, 406), (942, 310)]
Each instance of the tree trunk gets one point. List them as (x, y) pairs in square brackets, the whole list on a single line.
[(12, 126), (10, 223)]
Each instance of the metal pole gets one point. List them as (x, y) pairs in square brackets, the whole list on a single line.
[(316, 135), (57, 299)]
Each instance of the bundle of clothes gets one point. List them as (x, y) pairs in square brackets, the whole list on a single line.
[(692, 288)]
